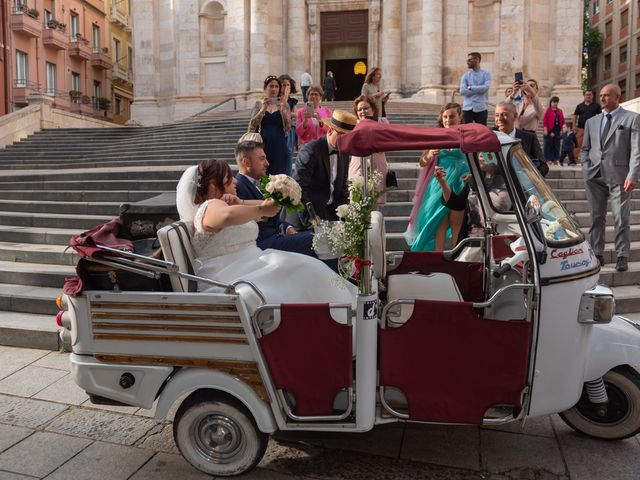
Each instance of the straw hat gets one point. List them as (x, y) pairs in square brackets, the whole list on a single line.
[(341, 121), (251, 137)]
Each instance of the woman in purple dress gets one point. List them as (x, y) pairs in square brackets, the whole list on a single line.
[(272, 118)]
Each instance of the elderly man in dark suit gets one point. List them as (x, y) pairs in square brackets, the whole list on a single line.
[(273, 233), (610, 160), (322, 171), (505, 120)]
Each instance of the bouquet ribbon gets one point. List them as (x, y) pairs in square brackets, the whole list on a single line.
[(358, 263)]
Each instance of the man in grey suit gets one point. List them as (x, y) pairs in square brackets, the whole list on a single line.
[(610, 160)]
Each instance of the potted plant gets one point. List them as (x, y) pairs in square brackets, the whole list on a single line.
[(33, 12), (103, 103)]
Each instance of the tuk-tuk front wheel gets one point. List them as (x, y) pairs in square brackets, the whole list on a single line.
[(218, 435), (621, 416)]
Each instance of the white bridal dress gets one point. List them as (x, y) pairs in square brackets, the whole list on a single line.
[(283, 277)]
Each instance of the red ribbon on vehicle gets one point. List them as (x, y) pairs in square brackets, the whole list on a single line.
[(358, 263)]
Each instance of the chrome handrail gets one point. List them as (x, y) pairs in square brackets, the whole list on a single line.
[(213, 107)]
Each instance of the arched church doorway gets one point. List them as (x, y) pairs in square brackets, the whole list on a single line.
[(343, 39)]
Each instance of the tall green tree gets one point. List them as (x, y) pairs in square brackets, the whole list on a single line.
[(591, 46)]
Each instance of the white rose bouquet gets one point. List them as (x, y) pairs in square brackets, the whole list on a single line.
[(284, 190)]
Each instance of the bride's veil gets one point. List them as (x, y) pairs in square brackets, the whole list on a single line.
[(186, 194)]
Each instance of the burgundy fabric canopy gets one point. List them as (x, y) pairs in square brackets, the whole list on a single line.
[(370, 137)]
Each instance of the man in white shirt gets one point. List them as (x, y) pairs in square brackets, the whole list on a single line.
[(474, 87), (305, 83)]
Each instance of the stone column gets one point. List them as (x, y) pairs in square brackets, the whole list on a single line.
[(297, 57), (568, 57), (391, 45), (187, 58), (259, 55), (374, 35), (314, 43), (432, 58), (145, 64)]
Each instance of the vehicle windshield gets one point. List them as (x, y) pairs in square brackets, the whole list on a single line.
[(559, 227)]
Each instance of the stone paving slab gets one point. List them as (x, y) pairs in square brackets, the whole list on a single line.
[(592, 459), (41, 453), (65, 390), (13, 476), (13, 359), (10, 435), (385, 440), (504, 452), (160, 439), (454, 446), (104, 461), (101, 425), (24, 412), (164, 465), (29, 380)]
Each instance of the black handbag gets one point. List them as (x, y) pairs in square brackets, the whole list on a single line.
[(143, 219), (391, 179)]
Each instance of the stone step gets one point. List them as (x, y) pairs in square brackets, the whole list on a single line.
[(29, 330), (37, 253), (37, 235), (116, 196), (72, 208), (627, 298), (53, 220), (38, 274), (164, 185), (28, 299), (96, 174), (609, 276)]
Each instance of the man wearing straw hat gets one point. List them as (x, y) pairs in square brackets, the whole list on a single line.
[(322, 171)]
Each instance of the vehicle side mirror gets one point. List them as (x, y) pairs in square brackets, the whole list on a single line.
[(533, 210)]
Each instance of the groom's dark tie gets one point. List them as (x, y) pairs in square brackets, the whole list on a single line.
[(605, 131)]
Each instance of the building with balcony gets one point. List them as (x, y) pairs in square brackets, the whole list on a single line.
[(121, 54), (60, 49), (619, 60), (5, 79)]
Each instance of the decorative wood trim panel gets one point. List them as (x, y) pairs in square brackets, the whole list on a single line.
[(246, 371), (166, 306), (168, 338)]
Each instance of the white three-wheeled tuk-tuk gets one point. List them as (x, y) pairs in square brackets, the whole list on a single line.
[(522, 330)]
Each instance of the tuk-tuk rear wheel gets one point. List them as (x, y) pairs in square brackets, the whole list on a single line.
[(621, 417), (218, 435)]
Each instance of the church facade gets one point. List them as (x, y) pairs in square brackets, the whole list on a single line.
[(193, 54)]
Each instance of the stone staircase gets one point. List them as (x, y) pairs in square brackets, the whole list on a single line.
[(60, 182)]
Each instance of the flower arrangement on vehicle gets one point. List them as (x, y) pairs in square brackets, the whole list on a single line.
[(346, 239), (283, 190)]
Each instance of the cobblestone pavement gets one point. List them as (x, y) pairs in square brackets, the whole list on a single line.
[(49, 429)]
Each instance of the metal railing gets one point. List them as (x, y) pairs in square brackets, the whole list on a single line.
[(219, 104)]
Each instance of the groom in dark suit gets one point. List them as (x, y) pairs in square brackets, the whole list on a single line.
[(610, 159), (273, 233), (322, 171)]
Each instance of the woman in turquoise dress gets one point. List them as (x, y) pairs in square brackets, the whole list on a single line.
[(432, 224)]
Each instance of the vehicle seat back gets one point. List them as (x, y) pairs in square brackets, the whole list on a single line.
[(415, 286), (175, 240), (378, 245)]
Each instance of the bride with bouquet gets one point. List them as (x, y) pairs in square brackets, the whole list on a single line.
[(225, 235)]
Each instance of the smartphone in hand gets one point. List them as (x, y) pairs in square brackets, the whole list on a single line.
[(310, 110), (518, 77)]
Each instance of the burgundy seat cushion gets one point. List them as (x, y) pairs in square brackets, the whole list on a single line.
[(452, 364), (310, 355)]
